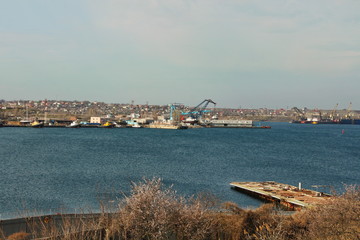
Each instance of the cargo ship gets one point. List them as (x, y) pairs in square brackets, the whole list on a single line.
[(167, 126), (328, 121), (350, 121), (231, 124), (318, 118)]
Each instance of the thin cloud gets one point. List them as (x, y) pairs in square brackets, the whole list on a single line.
[(216, 34), (228, 46)]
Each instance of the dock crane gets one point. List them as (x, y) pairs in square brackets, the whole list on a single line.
[(332, 117), (299, 113), (173, 107), (348, 111), (197, 112)]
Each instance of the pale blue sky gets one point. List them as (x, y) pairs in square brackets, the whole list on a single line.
[(247, 53)]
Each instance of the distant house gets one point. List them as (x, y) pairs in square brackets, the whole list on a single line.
[(143, 120), (72, 118), (95, 120)]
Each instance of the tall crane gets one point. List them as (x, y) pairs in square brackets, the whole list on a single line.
[(334, 112), (173, 108), (197, 112), (348, 110), (299, 113)]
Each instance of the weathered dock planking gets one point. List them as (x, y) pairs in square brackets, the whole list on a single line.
[(294, 198)]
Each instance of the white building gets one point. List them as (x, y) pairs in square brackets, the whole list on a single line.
[(95, 120)]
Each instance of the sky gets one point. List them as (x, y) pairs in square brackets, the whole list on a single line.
[(239, 53)]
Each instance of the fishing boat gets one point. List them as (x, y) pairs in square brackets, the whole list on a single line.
[(108, 125), (74, 124), (136, 125), (37, 124)]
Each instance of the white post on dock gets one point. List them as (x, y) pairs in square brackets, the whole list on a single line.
[(299, 186)]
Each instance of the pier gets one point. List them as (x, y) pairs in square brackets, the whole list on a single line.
[(291, 197)]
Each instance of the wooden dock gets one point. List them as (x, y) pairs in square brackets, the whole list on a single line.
[(293, 198)]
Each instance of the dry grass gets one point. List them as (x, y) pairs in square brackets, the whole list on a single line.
[(153, 211), (339, 220), (19, 236)]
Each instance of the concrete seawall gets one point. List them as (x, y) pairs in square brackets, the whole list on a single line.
[(30, 224), (8, 227)]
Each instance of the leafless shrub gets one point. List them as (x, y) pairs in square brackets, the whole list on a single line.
[(339, 219), (232, 208), (147, 212), (194, 221), (257, 217), (155, 212), (229, 226), (295, 227), (236, 223), (352, 193), (267, 232)]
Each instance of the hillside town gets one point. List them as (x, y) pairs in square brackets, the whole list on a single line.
[(56, 111)]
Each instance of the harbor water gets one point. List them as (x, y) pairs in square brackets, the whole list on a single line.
[(52, 170)]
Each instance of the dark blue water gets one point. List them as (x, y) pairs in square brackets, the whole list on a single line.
[(50, 169)]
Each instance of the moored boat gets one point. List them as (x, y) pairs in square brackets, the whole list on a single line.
[(74, 124), (167, 126), (230, 124), (136, 126), (37, 124), (350, 121), (108, 125)]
